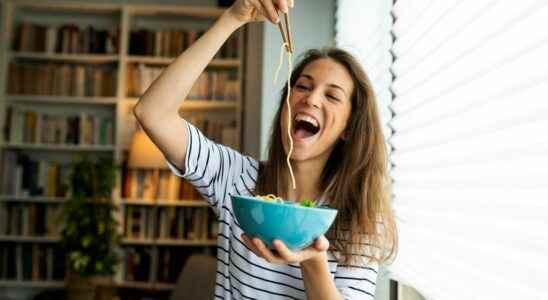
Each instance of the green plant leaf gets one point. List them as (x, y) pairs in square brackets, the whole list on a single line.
[(308, 203)]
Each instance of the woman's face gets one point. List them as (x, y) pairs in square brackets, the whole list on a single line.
[(320, 109)]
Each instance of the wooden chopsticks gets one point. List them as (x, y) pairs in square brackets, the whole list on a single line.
[(286, 32)]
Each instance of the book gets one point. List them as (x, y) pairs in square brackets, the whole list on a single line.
[(62, 79), (64, 38), (34, 127), (24, 176)]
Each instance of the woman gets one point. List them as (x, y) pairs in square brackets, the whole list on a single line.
[(339, 159)]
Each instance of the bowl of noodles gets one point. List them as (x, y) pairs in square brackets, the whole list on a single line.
[(270, 217)]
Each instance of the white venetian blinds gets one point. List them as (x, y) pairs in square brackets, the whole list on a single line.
[(470, 147)]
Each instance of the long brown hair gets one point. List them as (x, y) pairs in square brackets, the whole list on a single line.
[(354, 180)]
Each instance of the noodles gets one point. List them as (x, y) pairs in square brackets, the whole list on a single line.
[(290, 67), (276, 199), (271, 198)]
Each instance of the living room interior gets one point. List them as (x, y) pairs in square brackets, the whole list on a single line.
[(459, 86)]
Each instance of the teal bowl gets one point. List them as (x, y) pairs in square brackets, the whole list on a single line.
[(297, 226)]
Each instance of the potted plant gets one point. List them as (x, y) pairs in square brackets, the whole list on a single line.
[(90, 233)]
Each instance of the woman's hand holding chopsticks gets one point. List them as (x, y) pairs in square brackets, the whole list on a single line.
[(259, 10)]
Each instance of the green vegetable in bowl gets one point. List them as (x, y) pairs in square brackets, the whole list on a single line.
[(308, 203)]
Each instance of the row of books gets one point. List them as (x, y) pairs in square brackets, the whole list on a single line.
[(30, 219), (171, 260), (23, 176), (210, 85), (170, 223), (220, 131), (171, 43), (149, 185), (61, 79), (67, 38), (33, 262), (34, 127)]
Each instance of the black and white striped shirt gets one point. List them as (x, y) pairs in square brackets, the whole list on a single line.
[(218, 172)]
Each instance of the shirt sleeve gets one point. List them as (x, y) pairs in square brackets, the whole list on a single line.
[(213, 168), (357, 282)]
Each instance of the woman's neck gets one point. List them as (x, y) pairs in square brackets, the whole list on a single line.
[(307, 178)]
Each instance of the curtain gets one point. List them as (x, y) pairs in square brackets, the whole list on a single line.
[(470, 147)]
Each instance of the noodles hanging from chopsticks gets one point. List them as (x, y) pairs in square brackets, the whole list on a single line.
[(290, 67)]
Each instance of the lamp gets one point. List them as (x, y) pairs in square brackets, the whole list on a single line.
[(143, 153)]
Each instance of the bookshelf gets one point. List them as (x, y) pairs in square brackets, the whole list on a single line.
[(75, 72)]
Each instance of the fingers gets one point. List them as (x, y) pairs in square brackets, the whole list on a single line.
[(259, 248), (284, 252), (282, 5), (271, 13), (265, 252), (261, 14), (321, 243), (250, 245)]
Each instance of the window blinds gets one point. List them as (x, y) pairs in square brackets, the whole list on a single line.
[(470, 147)]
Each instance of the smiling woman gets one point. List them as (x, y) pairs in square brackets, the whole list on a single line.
[(327, 130)]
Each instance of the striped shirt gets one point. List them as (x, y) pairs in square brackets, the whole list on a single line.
[(217, 172)]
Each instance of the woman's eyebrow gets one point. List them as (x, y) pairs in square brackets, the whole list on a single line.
[(307, 76)]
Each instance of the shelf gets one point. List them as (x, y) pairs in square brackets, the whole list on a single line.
[(62, 99), (179, 10), (32, 284), (32, 199), (168, 242), (189, 203), (67, 57), (173, 242), (29, 239), (163, 286), (159, 286), (134, 241), (152, 60), (156, 202), (59, 147), (50, 6), (200, 104)]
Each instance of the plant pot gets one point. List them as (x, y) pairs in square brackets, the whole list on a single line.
[(90, 288)]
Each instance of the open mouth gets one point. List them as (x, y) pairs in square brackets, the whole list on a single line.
[(305, 126)]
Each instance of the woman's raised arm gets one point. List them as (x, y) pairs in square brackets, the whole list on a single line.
[(157, 109)]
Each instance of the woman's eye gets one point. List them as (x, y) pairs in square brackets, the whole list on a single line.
[(333, 97), (302, 87)]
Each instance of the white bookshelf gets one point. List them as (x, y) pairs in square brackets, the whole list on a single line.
[(62, 57), (62, 99), (29, 239), (56, 147), (161, 203), (50, 284), (126, 17), (32, 199)]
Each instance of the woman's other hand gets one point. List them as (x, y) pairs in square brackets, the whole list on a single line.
[(284, 255), (258, 10)]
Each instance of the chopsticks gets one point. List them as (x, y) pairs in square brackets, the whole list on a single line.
[(286, 32)]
